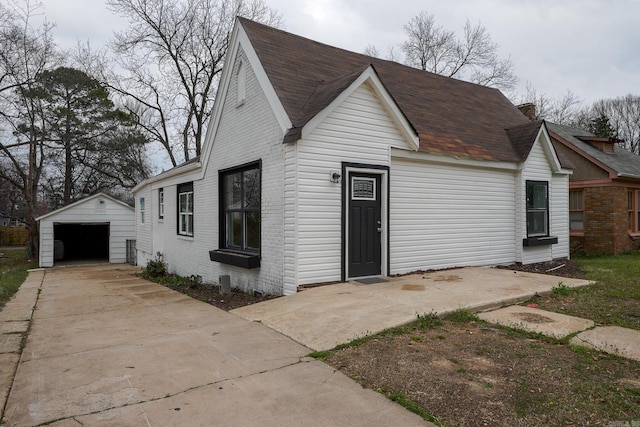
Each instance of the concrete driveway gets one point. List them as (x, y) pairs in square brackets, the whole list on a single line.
[(105, 348), (323, 317)]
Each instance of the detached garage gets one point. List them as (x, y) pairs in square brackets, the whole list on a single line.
[(96, 228)]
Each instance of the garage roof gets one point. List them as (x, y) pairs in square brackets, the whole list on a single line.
[(82, 201)]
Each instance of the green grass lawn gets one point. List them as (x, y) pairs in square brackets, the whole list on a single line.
[(614, 299), (13, 271)]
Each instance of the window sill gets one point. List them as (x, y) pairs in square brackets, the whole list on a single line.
[(239, 259), (540, 241), (634, 235), (185, 237), (577, 233)]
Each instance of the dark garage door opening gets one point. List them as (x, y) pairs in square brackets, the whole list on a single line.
[(81, 242)]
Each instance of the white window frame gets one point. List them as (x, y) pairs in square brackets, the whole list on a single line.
[(161, 203), (142, 210), (185, 209)]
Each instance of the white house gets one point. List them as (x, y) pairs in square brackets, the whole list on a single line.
[(324, 165), (96, 228)]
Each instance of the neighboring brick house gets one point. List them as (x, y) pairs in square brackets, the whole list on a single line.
[(323, 165), (604, 191)]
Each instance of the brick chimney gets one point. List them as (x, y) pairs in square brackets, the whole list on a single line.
[(528, 109)]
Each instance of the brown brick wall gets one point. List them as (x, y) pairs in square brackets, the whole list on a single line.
[(605, 222)]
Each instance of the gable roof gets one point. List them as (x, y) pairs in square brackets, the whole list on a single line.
[(623, 162), (449, 116), (83, 201), (523, 137)]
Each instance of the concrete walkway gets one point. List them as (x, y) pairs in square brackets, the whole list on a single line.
[(324, 317), (105, 348), (622, 342)]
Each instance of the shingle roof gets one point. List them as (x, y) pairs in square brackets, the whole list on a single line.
[(622, 161), (523, 136), (450, 116)]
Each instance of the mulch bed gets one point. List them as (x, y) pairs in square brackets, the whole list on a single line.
[(560, 267)]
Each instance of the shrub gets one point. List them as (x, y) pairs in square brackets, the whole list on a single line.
[(155, 268)]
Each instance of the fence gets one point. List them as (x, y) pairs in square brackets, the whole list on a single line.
[(13, 236)]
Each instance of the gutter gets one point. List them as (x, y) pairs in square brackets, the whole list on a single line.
[(628, 175), (168, 174)]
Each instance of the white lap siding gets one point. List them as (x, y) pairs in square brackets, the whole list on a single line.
[(144, 231), (449, 216), (537, 168), (358, 131)]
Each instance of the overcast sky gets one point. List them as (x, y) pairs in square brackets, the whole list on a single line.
[(590, 47)]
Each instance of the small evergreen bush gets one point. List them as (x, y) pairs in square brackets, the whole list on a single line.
[(155, 268)]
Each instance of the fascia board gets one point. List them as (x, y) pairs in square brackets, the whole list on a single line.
[(550, 152), (82, 201), (454, 160)]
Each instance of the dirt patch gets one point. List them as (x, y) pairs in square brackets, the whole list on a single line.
[(468, 375), (533, 318), (211, 295), (413, 287), (449, 278)]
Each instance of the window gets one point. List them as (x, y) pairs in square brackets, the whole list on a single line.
[(633, 208), (240, 211), (537, 208), (576, 210), (161, 203), (363, 188), (142, 210), (185, 209)]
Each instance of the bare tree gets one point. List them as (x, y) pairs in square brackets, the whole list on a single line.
[(172, 54), (392, 53), (25, 52), (372, 51), (624, 117), (474, 57), (567, 110)]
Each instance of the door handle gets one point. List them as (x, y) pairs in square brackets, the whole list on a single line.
[(379, 226)]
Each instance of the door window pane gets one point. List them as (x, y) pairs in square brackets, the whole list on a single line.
[(363, 189)]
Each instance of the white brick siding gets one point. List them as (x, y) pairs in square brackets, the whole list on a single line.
[(246, 133)]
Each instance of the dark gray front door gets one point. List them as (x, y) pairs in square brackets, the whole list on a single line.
[(365, 224)]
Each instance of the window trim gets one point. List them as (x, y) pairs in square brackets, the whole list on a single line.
[(185, 189), (538, 239), (142, 210), (633, 211), (223, 210), (238, 256), (161, 203), (574, 209)]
